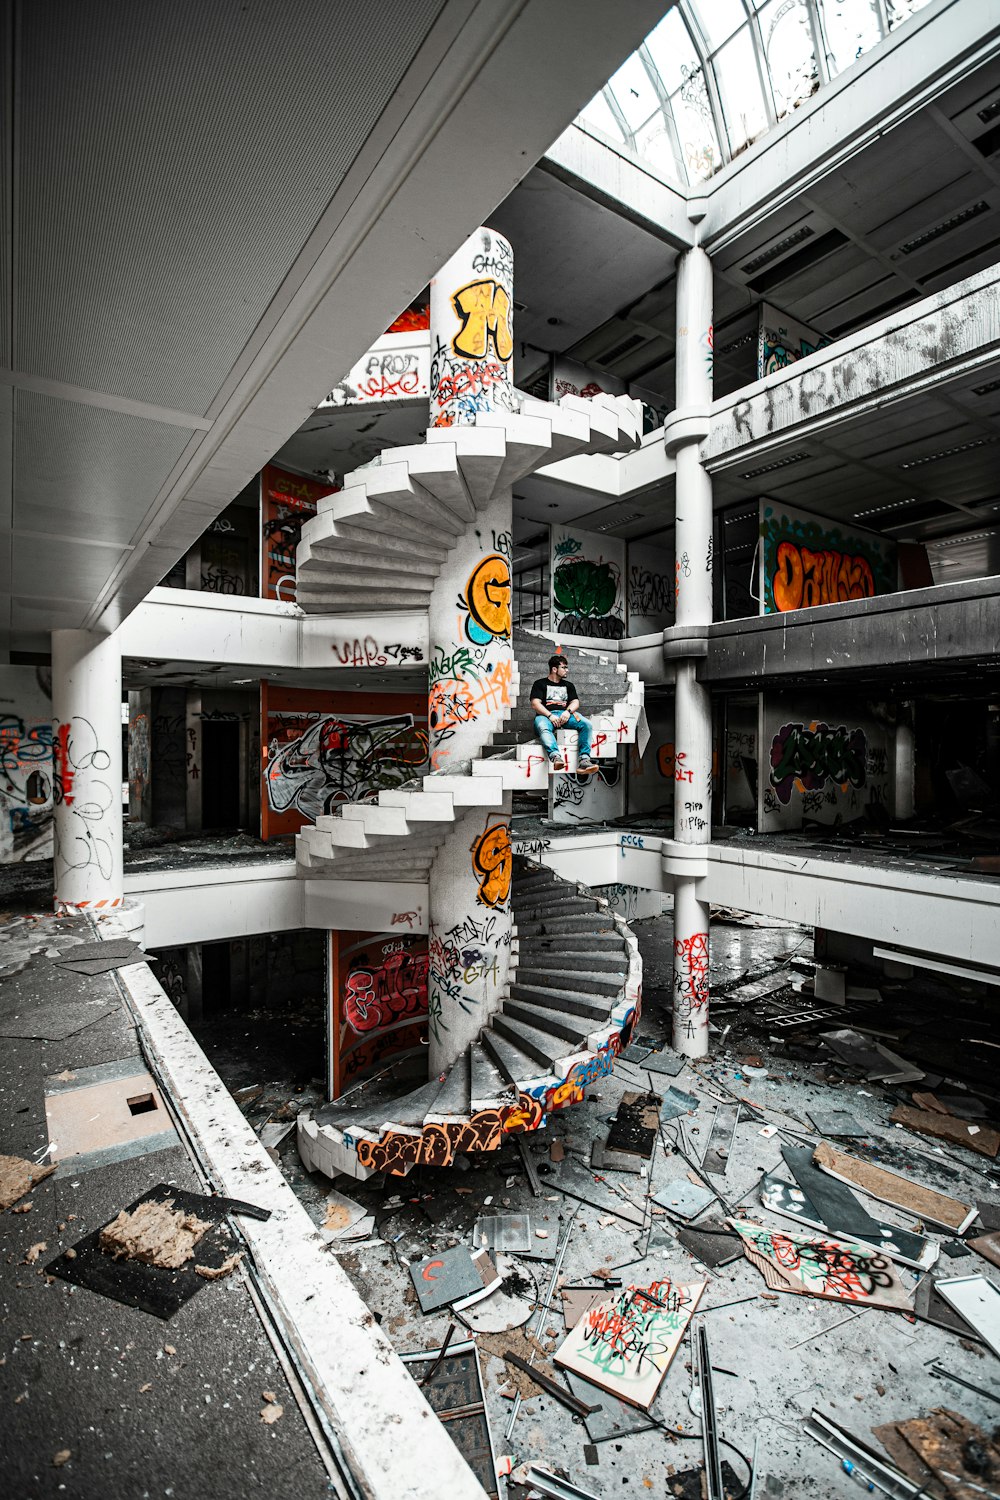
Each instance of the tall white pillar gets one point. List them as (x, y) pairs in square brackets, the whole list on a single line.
[(471, 653), (87, 756), (685, 431)]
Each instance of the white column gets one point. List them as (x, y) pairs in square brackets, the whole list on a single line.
[(472, 332), (87, 756), (471, 654), (687, 428), (904, 764)]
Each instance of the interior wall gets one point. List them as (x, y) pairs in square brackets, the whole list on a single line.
[(807, 559), (824, 757), (377, 1001), (650, 594), (26, 767), (588, 583), (651, 776)]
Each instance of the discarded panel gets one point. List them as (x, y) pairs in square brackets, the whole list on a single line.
[(791, 1202), (837, 1122), (670, 1063), (977, 1300), (442, 1279), (890, 1187), (509, 1232), (455, 1393), (625, 1345), (683, 1198), (613, 1418), (807, 1265)]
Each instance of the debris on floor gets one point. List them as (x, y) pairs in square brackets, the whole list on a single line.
[(18, 1177), (625, 1345), (158, 1234)]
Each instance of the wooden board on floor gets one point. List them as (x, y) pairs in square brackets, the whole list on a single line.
[(817, 1266), (890, 1187), (625, 1344), (939, 1441), (981, 1138)]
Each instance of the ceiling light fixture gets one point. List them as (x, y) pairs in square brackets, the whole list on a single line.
[(766, 256), (930, 458), (779, 463), (945, 227)]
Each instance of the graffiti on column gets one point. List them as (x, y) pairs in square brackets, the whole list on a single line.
[(138, 759), (81, 765), (287, 502), (690, 982), (810, 758), (464, 958), (492, 862), (470, 371), (807, 561), (474, 680)]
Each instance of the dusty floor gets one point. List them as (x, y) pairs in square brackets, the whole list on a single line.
[(775, 1357)]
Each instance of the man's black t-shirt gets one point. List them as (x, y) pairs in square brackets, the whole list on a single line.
[(555, 695)]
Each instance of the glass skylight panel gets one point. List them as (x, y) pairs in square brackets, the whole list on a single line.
[(901, 10), (852, 27), (672, 50), (655, 145), (598, 113), (739, 85), (718, 19), (692, 114), (634, 93), (791, 56)]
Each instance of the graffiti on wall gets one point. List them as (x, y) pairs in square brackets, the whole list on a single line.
[(805, 561), (343, 760), (378, 1001), (782, 341), (810, 758), (26, 772), (594, 796), (587, 594), (649, 593), (324, 748), (486, 600), (399, 373), (287, 501), (138, 761)]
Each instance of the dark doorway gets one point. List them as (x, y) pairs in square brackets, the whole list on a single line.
[(220, 783)]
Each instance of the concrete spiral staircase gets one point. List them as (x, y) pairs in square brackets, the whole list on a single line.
[(574, 985)]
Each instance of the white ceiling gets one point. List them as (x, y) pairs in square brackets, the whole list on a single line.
[(209, 213)]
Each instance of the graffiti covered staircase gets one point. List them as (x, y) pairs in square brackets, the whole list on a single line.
[(571, 1006), (574, 983)]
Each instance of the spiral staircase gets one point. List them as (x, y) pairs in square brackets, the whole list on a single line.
[(573, 988)]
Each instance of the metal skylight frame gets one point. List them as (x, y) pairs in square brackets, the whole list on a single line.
[(695, 16)]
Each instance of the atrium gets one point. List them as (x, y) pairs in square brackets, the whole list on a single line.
[(358, 362)]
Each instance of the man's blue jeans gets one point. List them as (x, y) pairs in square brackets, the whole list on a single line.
[(546, 732)]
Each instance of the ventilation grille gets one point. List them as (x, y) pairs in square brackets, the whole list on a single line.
[(773, 251), (932, 458), (632, 342), (954, 221), (778, 463), (799, 260)]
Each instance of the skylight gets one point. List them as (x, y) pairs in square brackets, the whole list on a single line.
[(716, 74)]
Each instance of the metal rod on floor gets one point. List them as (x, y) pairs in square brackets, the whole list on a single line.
[(709, 1421), (544, 1308)]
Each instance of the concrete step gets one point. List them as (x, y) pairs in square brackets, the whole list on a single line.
[(533, 907), (339, 534), (580, 924), (565, 981), (583, 944), (392, 484), (370, 513), (591, 1007), (557, 1023), (453, 1099), (489, 1088), (512, 1062), (543, 1046)]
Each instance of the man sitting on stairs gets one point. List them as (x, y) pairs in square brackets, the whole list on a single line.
[(555, 701)]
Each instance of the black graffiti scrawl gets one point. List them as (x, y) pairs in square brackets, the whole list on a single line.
[(813, 757), (343, 760)]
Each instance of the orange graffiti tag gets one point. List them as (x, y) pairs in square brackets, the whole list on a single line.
[(484, 308), (492, 861), (803, 578), (487, 598)]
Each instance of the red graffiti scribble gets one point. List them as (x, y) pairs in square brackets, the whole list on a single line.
[(690, 975), (64, 766), (409, 917), (377, 995)]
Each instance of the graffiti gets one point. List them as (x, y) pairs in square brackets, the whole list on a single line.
[(707, 343), (824, 1268), (484, 309), (172, 977), (492, 863), (783, 343), (649, 593), (409, 917), (390, 375), (802, 578), (25, 788), (138, 758), (632, 841), (693, 817), (386, 992), (487, 600), (221, 716), (589, 593), (368, 653), (632, 1337), (531, 848), (453, 701), (809, 758), (472, 385), (80, 765), (690, 981), (567, 546), (806, 561), (343, 760), (223, 525), (621, 899), (217, 579), (570, 789), (436, 1146)]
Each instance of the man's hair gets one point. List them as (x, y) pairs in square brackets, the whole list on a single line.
[(558, 661)]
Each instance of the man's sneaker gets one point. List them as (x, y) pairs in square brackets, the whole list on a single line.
[(584, 763), (557, 763)]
